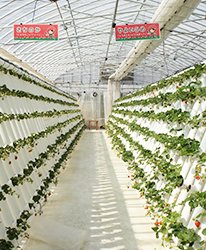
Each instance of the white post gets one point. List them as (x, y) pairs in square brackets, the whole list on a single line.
[(116, 90), (109, 99), (113, 93)]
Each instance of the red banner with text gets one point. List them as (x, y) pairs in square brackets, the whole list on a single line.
[(137, 31), (35, 32)]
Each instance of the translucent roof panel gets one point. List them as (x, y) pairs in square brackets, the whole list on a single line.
[(86, 35)]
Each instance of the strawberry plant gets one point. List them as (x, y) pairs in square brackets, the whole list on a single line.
[(4, 91), (196, 199), (9, 153), (29, 79), (13, 233), (193, 73), (120, 127), (6, 245), (2, 196), (30, 140)]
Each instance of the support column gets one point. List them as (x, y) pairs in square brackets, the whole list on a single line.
[(116, 90), (109, 99), (113, 93)]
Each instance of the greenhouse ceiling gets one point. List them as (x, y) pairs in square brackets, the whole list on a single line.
[(87, 36)]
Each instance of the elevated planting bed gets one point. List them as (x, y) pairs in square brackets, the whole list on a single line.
[(39, 127), (160, 132)]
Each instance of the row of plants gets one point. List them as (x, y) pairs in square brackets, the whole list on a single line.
[(184, 146), (39, 161), (41, 169), (4, 92), (193, 73), (170, 116), (168, 222), (30, 140), (27, 78), (43, 157), (51, 113), (160, 162), (41, 194), (186, 94), (157, 183)]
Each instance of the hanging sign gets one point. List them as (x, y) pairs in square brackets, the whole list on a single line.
[(35, 32), (137, 31)]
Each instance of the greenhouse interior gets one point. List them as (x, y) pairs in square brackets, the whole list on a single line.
[(102, 124)]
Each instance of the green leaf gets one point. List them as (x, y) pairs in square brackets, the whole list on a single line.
[(163, 230), (204, 231), (167, 239), (202, 243), (5, 245), (155, 229), (193, 204), (36, 198)]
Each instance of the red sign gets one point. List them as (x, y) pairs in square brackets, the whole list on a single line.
[(137, 31), (35, 32)]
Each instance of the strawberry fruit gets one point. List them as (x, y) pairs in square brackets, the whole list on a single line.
[(197, 223)]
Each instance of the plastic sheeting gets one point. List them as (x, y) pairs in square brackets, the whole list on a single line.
[(92, 105), (97, 105), (169, 15), (56, 234)]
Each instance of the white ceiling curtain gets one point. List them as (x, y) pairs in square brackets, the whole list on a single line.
[(86, 36)]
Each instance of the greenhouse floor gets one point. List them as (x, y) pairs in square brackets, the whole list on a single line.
[(93, 195)]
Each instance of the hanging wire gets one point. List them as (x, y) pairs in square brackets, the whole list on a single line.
[(164, 54), (111, 32), (34, 10)]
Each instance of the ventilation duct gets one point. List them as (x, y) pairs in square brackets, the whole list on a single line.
[(169, 15)]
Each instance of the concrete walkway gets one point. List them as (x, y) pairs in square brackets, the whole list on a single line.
[(92, 195)]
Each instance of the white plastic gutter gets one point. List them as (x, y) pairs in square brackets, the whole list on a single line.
[(169, 15)]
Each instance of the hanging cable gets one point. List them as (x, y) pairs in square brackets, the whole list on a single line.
[(111, 31), (67, 33), (75, 30), (34, 10), (165, 60)]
